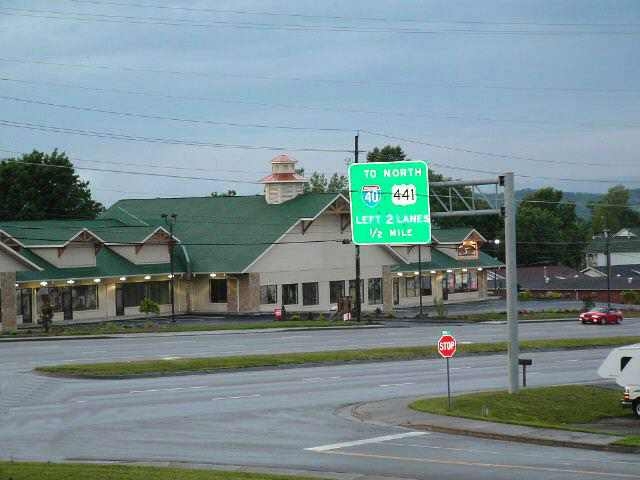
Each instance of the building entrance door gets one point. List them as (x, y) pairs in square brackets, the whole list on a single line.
[(396, 291), (445, 287), (67, 304), (119, 301)]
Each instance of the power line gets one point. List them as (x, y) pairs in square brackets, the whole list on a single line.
[(185, 22), (162, 140), (491, 154), (349, 18), (357, 83), (172, 119), (270, 105)]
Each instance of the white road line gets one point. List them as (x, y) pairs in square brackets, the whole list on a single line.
[(174, 389), (384, 438), (396, 384), (237, 397), (319, 379)]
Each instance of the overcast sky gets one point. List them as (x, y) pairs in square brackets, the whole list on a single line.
[(533, 82)]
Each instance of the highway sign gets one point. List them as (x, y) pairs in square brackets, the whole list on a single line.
[(447, 345), (390, 203)]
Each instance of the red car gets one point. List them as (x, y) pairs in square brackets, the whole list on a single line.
[(601, 316)]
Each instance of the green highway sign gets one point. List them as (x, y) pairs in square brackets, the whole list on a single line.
[(390, 203)]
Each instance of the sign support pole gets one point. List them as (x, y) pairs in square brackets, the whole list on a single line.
[(358, 299), (420, 276), (511, 280), (448, 384)]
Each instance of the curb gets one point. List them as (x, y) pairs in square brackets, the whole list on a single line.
[(194, 333), (522, 438), (355, 413)]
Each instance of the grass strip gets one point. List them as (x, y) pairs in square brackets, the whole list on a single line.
[(632, 441), (568, 407), (149, 327), (52, 471), (213, 364)]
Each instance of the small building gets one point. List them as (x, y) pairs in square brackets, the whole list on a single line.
[(624, 248), (231, 254)]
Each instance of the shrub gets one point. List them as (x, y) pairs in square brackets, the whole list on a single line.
[(631, 297), (295, 318), (149, 306), (553, 295), (441, 309), (525, 295), (321, 318), (378, 311), (588, 304)]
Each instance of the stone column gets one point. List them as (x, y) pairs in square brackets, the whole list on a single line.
[(482, 284), (436, 286), (387, 290), (8, 292), (232, 293), (250, 292)]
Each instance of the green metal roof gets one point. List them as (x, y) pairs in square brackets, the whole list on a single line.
[(451, 235), (616, 245), (223, 234), (441, 261), (108, 264)]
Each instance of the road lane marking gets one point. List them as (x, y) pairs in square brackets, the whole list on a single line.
[(486, 465), (384, 438), (384, 385), (319, 379), (236, 397), (174, 389)]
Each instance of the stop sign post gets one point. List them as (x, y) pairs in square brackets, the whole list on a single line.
[(447, 349)]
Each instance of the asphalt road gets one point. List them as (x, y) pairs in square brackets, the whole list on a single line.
[(285, 418)]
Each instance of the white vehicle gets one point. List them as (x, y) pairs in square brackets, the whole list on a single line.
[(623, 366)]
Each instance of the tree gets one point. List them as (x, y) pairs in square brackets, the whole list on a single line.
[(318, 183), (612, 211), (549, 230), (388, 153), (41, 186), (228, 193)]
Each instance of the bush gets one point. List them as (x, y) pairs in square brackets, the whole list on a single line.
[(631, 297), (525, 295), (441, 309), (553, 295), (295, 318), (321, 318), (588, 304), (149, 306)]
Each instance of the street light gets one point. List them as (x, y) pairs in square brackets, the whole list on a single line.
[(170, 220)]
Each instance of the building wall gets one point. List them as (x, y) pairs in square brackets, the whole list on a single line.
[(626, 258), (74, 255), (148, 254), (9, 263), (320, 262)]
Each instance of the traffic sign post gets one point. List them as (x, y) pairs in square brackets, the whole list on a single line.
[(447, 346), (390, 203)]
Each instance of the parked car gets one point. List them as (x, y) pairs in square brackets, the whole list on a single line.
[(601, 316)]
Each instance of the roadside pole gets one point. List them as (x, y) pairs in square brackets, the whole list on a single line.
[(447, 346), (420, 276), (358, 299), (448, 385), (608, 253), (511, 280)]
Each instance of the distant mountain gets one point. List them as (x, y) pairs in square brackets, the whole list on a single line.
[(582, 199)]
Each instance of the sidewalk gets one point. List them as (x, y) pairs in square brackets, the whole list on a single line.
[(397, 412), (181, 334)]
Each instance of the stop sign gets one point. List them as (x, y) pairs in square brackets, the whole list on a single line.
[(447, 346)]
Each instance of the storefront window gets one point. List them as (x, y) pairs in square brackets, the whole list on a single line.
[(336, 291), (85, 297), (310, 293), (268, 294), (218, 290), (352, 291), (290, 294), (426, 285), (375, 291), (411, 286)]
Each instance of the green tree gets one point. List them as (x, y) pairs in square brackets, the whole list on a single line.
[(39, 185), (612, 211), (228, 193), (317, 183), (549, 230), (388, 153), (338, 183)]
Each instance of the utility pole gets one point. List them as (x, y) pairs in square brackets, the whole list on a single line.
[(420, 276), (358, 299), (170, 220), (608, 254), (511, 285)]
